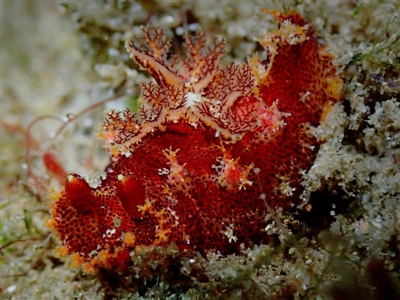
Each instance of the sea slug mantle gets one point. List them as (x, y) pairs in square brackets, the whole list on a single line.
[(209, 149)]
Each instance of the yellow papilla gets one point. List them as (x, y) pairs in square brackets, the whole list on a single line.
[(129, 239)]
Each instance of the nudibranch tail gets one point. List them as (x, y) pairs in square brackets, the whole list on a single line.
[(209, 148)]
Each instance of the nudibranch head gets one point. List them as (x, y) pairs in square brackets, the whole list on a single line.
[(208, 150)]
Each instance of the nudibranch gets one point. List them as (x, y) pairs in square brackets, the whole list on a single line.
[(209, 150)]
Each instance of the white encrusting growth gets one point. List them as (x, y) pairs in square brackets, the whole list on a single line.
[(228, 232)]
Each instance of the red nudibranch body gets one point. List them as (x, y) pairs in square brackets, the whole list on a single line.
[(209, 148)]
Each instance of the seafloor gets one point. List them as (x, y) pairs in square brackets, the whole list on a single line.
[(57, 58)]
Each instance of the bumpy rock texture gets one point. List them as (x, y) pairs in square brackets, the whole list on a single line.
[(209, 152)]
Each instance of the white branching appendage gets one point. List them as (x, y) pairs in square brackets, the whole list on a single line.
[(230, 174), (177, 172), (270, 121), (201, 61), (228, 232), (120, 126), (192, 89)]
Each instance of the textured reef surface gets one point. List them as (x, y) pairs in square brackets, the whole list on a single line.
[(211, 152)]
